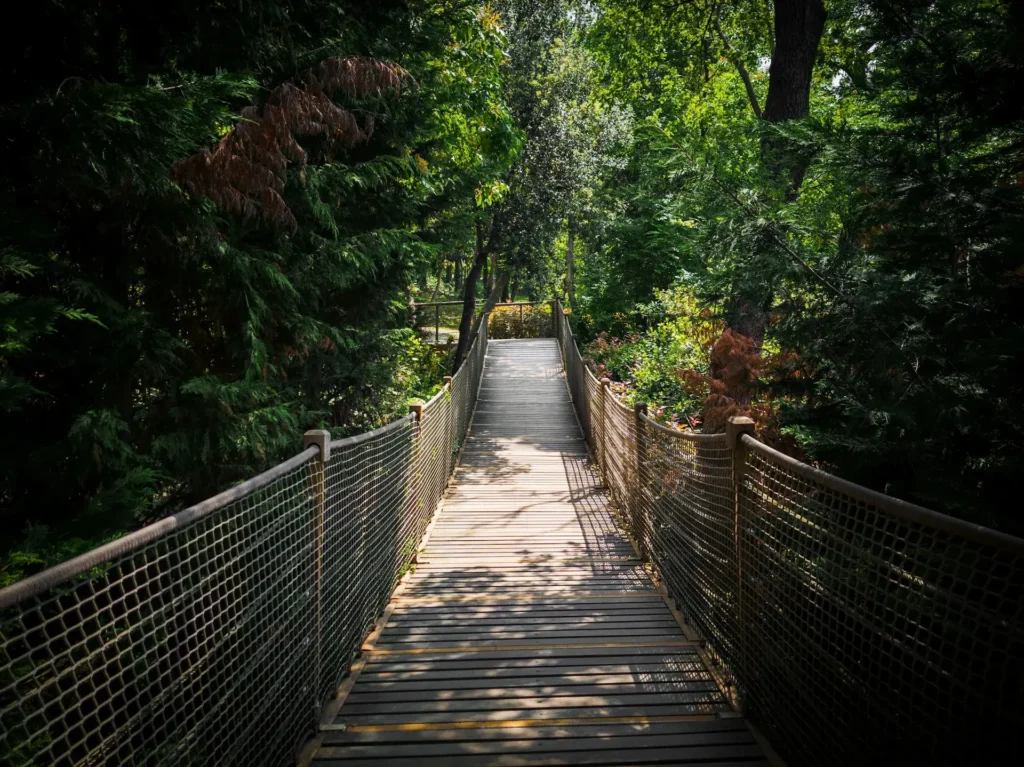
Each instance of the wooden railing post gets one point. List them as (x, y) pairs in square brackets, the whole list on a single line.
[(604, 391), (453, 419), (419, 477), (318, 485), (735, 428), (636, 487)]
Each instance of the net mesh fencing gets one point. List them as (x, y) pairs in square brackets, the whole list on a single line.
[(215, 636), (851, 626)]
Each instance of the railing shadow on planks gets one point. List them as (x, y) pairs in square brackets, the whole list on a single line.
[(852, 627)]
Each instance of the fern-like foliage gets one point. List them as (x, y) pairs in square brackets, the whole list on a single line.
[(245, 171)]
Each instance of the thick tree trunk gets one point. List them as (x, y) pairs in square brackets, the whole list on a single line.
[(570, 264), (500, 284), (492, 273), (469, 299), (486, 275), (798, 28)]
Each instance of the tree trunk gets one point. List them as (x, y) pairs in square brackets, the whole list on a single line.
[(437, 285), (469, 299), (798, 28), (500, 283), (492, 273), (570, 264), (486, 276), (458, 273)]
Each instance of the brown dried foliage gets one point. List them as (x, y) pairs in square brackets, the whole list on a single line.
[(735, 365), (245, 171)]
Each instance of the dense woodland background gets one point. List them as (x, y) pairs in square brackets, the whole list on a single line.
[(216, 217)]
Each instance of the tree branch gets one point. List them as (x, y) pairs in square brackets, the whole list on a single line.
[(738, 62)]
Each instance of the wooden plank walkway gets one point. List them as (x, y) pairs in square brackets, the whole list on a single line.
[(529, 634)]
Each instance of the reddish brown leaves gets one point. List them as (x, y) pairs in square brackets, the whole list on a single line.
[(245, 171), (735, 365)]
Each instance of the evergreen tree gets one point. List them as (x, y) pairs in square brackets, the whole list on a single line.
[(213, 218)]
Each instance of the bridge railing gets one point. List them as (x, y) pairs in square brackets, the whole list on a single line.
[(854, 628), (216, 635)]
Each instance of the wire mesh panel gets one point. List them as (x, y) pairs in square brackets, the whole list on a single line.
[(620, 449), (195, 646), (466, 384), (575, 371), (593, 411), (371, 525), (856, 628), (874, 629), (215, 636), (686, 507), (436, 446)]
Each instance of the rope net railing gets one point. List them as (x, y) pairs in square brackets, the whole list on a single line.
[(852, 627), (216, 635)]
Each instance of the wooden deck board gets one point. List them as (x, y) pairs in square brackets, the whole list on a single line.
[(529, 633)]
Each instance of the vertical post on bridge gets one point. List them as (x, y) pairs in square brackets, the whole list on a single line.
[(453, 420), (318, 486), (419, 475), (735, 428), (636, 487), (603, 393)]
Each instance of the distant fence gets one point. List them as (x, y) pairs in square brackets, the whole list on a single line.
[(216, 635), (438, 321), (523, 319), (855, 628)]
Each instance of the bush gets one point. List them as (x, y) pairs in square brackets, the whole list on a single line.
[(657, 366), (505, 321)]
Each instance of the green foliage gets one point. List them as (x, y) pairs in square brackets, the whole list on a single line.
[(156, 348), (651, 364), (915, 359), (890, 277), (521, 322)]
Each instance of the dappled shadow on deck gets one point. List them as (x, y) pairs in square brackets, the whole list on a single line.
[(529, 632)]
